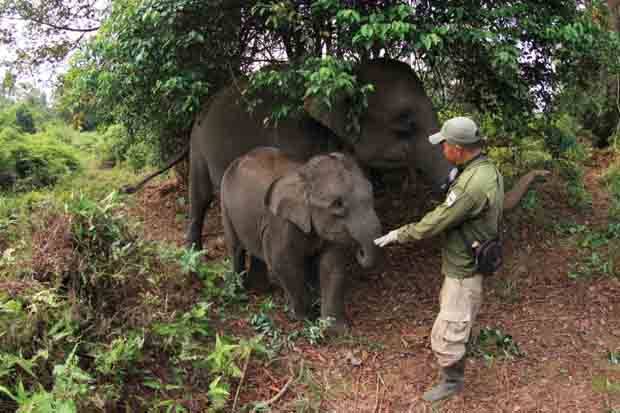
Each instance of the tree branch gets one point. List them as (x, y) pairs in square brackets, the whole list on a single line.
[(57, 27)]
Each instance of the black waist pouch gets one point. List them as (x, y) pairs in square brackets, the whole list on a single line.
[(488, 256)]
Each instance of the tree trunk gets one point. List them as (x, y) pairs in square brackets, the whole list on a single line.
[(605, 122)]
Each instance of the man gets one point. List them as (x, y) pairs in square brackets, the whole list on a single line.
[(469, 215)]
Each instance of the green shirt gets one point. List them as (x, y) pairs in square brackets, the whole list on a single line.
[(475, 200)]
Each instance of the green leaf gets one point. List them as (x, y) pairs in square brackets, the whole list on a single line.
[(152, 384), (427, 41), (7, 392)]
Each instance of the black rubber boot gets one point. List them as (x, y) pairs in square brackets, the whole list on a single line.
[(450, 384)]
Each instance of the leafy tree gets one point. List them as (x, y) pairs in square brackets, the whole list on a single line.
[(24, 119), (590, 90), (155, 62), (53, 28), (75, 105)]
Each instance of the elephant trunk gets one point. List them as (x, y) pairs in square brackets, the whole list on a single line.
[(512, 198), (367, 252), (366, 256)]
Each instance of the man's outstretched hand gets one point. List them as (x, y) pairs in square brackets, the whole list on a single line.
[(388, 238)]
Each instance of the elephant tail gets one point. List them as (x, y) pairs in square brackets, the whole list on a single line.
[(130, 189), (512, 198)]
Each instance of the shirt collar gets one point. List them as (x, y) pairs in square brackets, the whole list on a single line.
[(476, 159)]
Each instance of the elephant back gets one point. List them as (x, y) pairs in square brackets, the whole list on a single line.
[(227, 130), (244, 187)]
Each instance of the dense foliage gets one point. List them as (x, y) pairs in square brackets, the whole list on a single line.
[(36, 33), (154, 63), (95, 317), (35, 151)]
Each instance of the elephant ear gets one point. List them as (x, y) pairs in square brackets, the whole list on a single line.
[(287, 198), (334, 117)]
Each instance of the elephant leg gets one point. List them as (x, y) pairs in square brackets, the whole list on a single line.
[(291, 275), (201, 195), (257, 278), (313, 286), (235, 249), (333, 282), (238, 257)]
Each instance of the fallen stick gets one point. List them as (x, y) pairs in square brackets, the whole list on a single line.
[(377, 396), (282, 390), (245, 369), (276, 397)]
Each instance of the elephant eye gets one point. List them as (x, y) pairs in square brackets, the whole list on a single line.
[(337, 207), (403, 134), (404, 125)]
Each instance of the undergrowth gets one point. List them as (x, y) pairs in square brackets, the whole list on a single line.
[(96, 318), (492, 344), (89, 309), (598, 250)]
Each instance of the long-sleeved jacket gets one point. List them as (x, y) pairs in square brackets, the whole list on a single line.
[(475, 203)]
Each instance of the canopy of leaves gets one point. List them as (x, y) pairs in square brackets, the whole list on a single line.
[(51, 28), (155, 62)]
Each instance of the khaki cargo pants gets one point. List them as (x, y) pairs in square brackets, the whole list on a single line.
[(459, 302)]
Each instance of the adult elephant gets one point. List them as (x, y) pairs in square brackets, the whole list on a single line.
[(394, 133), (300, 218)]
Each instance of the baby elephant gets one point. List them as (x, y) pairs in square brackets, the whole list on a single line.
[(299, 218)]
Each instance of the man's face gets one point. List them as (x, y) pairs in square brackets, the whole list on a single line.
[(453, 153)]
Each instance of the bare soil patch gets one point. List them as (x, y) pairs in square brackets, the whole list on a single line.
[(565, 327)]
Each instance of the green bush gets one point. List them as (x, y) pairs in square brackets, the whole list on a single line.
[(18, 322), (138, 156), (514, 153), (559, 132), (9, 134), (574, 173), (61, 132), (85, 263), (611, 179), (517, 159), (550, 143), (117, 146), (87, 141), (37, 161), (113, 144), (493, 343), (24, 119)]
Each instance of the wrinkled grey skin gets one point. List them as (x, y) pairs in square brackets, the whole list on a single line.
[(299, 218), (394, 134)]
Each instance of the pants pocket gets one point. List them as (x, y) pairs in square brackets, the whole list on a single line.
[(457, 332), (449, 340)]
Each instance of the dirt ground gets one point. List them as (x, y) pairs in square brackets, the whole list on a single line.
[(565, 327)]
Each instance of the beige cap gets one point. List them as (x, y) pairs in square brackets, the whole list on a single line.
[(457, 131)]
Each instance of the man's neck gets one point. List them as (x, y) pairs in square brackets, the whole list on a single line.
[(469, 156)]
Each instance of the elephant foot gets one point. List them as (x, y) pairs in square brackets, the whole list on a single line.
[(338, 328), (297, 315)]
